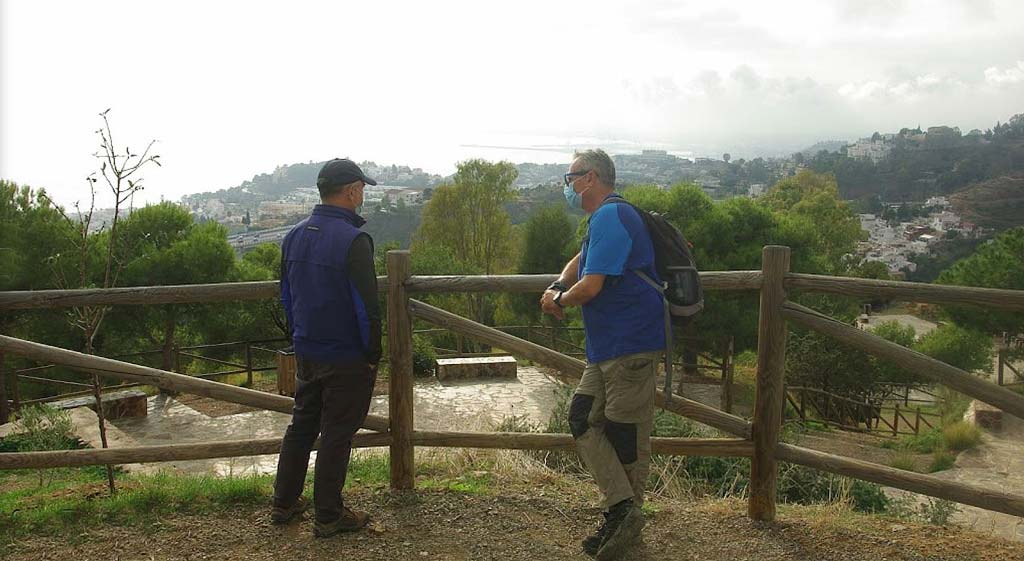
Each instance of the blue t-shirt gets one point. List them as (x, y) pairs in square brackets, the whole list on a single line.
[(628, 315)]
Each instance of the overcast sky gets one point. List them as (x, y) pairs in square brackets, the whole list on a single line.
[(232, 89)]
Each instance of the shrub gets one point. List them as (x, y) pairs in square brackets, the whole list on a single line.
[(424, 358), (41, 428), (960, 436)]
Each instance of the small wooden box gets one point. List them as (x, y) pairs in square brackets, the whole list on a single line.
[(286, 373)]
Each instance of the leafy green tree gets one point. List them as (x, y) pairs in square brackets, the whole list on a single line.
[(815, 220), (168, 249), (819, 361), (547, 244), (468, 217), (468, 220), (967, 349), (998, 264), (901, 335)]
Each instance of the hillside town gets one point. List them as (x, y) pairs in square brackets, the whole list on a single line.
[(895, 242)]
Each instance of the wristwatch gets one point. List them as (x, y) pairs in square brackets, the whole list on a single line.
[(557, 285), (558, 299)]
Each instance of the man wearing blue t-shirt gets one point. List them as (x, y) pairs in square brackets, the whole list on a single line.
[(611, 412)]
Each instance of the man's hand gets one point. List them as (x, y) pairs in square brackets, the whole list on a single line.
[(548, 305)]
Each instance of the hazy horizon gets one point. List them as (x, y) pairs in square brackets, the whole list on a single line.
[(233, 89)]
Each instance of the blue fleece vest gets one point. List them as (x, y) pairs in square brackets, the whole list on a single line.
[(327, 316)]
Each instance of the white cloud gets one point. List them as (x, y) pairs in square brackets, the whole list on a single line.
[(900, 90), (1007, 77)]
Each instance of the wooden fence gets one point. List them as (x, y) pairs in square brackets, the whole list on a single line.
[(248, 367), (813, 404), (757, 439)]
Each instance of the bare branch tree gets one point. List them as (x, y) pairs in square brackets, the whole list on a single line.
[(117, 170)]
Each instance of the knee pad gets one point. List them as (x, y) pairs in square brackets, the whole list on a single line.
[(579, 412), (623, 439)]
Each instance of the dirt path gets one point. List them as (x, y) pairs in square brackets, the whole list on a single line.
[(527, 524)]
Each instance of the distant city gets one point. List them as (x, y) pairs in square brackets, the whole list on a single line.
[(262, 210)]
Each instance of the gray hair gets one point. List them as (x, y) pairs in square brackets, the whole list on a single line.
[(331, 190), (600, 163)]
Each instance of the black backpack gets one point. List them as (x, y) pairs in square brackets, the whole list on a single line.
[(675, 266)]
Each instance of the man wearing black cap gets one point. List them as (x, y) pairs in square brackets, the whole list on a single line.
[(329, 293)]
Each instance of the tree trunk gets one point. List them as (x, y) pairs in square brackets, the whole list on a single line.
[(167, 347), (97, 394)]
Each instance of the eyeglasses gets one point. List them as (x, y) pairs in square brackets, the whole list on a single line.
[(569, 176)]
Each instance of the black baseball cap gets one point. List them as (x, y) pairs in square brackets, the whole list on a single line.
[(341, 171)]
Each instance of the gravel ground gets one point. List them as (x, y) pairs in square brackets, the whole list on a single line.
[(527, 523)]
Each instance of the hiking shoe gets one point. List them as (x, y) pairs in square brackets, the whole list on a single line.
[(349, 521), (284, 515), (592, 543), (624, 524)]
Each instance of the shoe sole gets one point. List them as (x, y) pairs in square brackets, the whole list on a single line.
[(625, 535)]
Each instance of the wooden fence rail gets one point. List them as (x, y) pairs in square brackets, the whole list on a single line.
[(154, 377)]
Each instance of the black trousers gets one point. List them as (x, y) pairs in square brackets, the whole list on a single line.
[(331, 401)]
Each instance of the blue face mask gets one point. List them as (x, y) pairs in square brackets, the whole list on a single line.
[(574, 199)]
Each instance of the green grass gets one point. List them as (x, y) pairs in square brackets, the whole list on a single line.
[(79, 497), (368, 471), (903, 460), (960, 436), (941, 460), (924, 443)]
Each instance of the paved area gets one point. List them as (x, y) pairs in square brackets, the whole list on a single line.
[(465, 405)]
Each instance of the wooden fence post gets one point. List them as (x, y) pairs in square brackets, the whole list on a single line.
[(15, 391), (1001, 357), (5, 408), (771, 362), (896, 420), (248, 364), (400, 398), (728, 369)]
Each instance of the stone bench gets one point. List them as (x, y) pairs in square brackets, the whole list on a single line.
[(476, 367), (124, 403), (985, 416)]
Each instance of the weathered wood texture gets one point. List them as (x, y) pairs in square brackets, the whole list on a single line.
[(723, 447), (145, 295), (771, 363), (1008, 300), (569, 369), (163, 453), (160, 378), (913, 361), (906, 480), (711, 280), (400, 398)]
